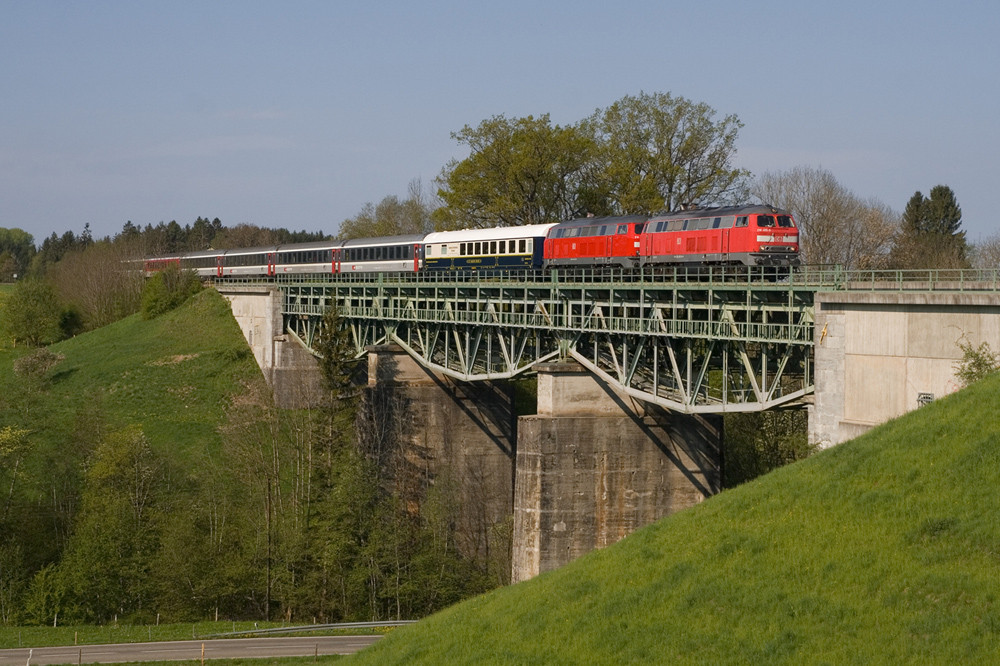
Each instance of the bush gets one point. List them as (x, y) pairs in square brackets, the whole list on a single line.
[(977, 362), (32, 314), (168, 289)]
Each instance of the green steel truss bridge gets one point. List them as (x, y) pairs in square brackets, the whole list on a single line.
[(722, 340)]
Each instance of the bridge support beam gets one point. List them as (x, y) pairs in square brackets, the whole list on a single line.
[(593, 466), (453, 437)]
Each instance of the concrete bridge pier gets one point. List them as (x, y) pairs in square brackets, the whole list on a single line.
[(455, 439), (594, 466)]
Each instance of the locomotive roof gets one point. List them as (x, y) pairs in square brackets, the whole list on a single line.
[(723, 211), (590, 221)]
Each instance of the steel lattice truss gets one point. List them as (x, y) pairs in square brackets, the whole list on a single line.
[(688, 346)]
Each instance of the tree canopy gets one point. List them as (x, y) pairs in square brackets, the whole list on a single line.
[(390, 217), (642, 154), (17, 247)]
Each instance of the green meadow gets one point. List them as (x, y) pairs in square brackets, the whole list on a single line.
[(883, 550)]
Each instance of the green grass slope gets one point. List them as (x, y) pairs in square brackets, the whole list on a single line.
[(171, 375), (885, 549)]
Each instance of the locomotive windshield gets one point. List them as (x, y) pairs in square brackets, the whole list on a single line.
[(785, 221)]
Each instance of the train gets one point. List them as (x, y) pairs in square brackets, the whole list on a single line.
[(755, 235)]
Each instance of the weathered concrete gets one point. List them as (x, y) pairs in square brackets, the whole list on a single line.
[(879, 355), (455, 441), (290, 369), (593, 466)]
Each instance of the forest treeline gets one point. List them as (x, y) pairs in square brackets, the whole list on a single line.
[(116, 509)]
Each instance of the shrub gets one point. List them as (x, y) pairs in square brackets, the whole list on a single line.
[(166, 290)]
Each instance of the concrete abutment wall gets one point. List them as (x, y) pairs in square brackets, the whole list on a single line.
[(881, 354)]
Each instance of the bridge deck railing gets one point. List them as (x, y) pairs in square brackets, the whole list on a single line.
[(812, 278)]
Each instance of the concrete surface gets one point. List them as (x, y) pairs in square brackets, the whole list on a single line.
[(879, 355)]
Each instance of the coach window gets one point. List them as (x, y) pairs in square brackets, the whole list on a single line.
[(741, 221), (520, 246)]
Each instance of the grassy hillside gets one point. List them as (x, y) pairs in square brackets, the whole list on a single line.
[(885, 549), (171, 375)]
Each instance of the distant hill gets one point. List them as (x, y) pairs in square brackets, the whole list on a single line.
[(885, 549)]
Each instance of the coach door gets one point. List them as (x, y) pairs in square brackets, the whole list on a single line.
[(416, 257), (335, 262), (270, 263), (218, 265)]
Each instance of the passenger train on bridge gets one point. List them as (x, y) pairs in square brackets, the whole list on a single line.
[(734, 236)]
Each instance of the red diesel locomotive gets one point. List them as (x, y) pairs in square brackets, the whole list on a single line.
[(738, 235)]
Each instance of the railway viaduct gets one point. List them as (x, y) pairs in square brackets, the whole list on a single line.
[(633, 374)]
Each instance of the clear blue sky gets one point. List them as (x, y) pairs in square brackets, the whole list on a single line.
[(296, 114)]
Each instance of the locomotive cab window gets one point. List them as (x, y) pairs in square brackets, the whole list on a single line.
[(785, 221), (623, 228), (639, 227), (741, 221), (765, 220)]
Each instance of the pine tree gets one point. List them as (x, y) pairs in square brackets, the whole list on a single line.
[(931, 234)]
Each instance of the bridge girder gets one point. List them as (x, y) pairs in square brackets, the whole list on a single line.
[(690, 347)]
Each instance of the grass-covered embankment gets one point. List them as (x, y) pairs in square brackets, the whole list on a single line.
[(885, 549), (171, 375)]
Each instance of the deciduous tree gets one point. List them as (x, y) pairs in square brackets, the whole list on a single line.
[(835, 226), (659, 152), (32, 314), (390, 217), (519, 171)]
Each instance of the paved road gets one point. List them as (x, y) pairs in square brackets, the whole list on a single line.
[(175, 650)]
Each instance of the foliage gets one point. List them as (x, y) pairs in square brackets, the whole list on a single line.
[(158, 478), (519, 171), (931, 235), (977, 362), (986, 253), (642, 154), (32, 314), (114, 534), (758, 443), (17, 247), (881, 550), (390, 217), (167, 289), (102, 280), (660, 152), (835, 226)]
